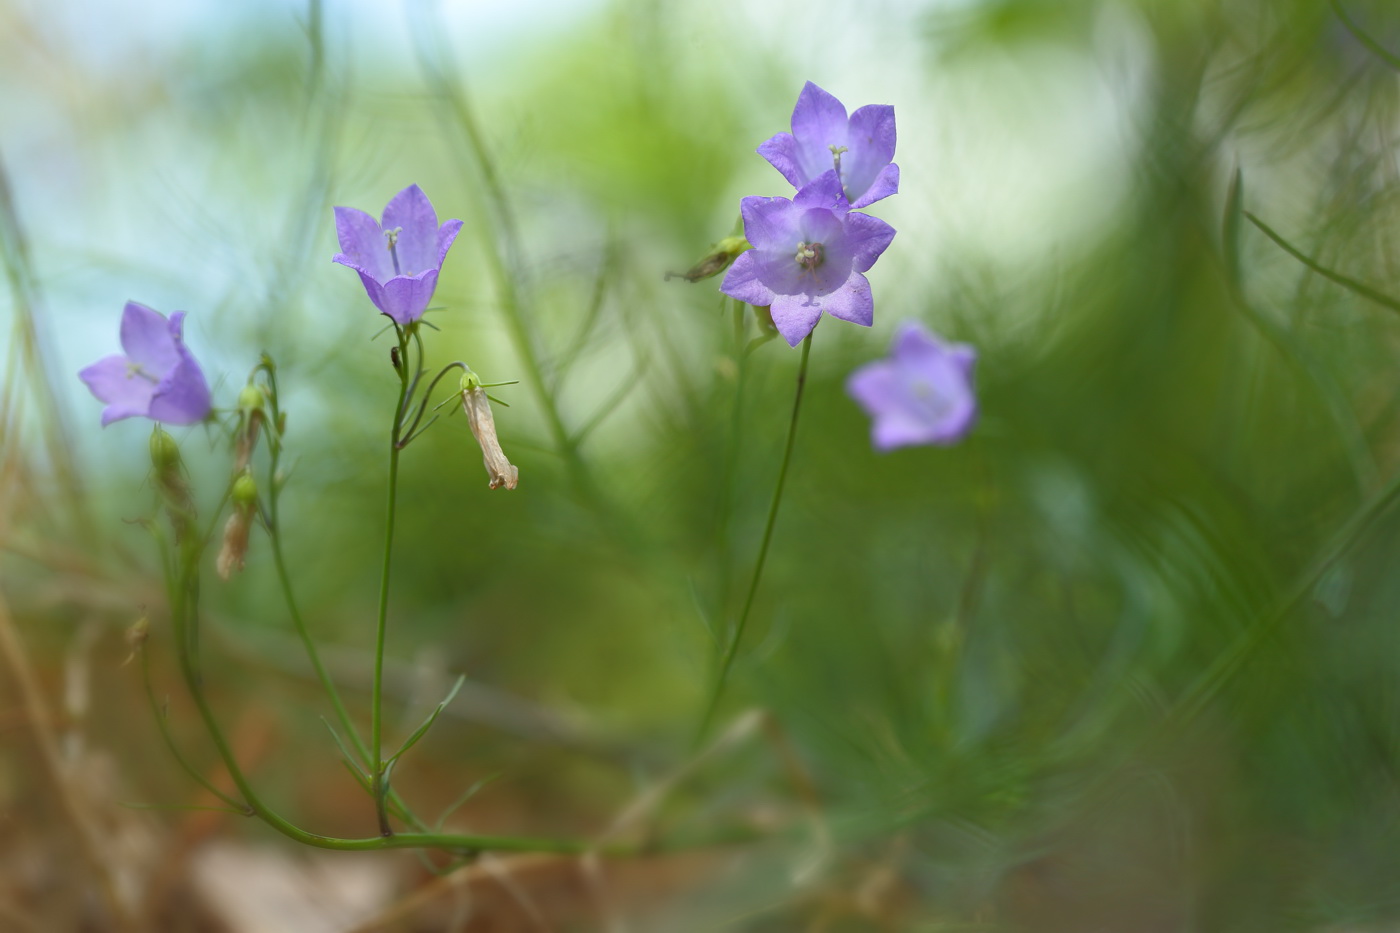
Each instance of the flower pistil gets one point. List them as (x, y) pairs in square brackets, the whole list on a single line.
[(392, 238)]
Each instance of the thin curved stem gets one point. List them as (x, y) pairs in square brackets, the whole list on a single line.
[(314, 656), (413, 431), (164, 726), (185, 610), (733, 647)]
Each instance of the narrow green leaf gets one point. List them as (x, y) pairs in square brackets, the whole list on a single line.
[(1375, 47), (1230, 230), (422, 730), (345, 752), (1365, 291)]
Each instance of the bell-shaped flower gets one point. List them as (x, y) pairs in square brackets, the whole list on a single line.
[(859, 148), (807, 257), (921, 394), (399, 259), (157, 376)]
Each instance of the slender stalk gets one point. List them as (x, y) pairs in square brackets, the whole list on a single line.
[(378, 786), (299, 623), (161, 721), (733, 647), (185, 610)]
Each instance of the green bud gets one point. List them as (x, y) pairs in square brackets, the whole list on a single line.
[(715, 261), (250, 398), (245, 490), (167, 471), (165, 453)]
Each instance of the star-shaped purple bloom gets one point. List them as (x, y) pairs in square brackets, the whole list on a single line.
[(921, 394), (858, 149), (157, 378), (808, 255), (398, 260)]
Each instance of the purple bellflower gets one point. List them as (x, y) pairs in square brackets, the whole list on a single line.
[(921, 394), (398, 260), (858, 149), (807, 257), (156, 378)]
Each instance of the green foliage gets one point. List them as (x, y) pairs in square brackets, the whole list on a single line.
[(1127, 652)]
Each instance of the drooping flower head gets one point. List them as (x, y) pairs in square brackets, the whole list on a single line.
[(807, 257), (859, 148), (157, 377), (500, 471), (921, 394), (399, 259)]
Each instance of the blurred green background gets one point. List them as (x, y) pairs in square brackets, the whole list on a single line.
[(1123, 660)]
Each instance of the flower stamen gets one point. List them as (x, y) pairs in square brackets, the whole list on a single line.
[(134, 369), (836, 157), (392, 236), (809, 256)]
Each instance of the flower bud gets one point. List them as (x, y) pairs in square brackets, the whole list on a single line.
[(474, 402), (136, 637), (245, 490), (715, 261), (250, 398), (167, 469), (165, 453), (250, 418), (240, 522)]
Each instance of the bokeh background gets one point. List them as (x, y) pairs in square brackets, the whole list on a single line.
[(1125, 659)]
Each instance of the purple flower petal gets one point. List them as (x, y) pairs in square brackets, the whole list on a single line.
[(146, 337), (873, 383), (446, 236), (362, 244), (818, 123), (767, 222), (405, 297), (182, 397), (420, 246), (871, 146), (157, 378), (868, 237), (921, 394), (860, 148), (915, 346), (742, 280), (795, 316), (113, 381), (824, 192), (885, 184), (852, 301), (807, 257), (373, 289), (784, 154), (899, 429), (412, 214)]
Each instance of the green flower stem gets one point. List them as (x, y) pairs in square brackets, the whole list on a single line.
[(733, 647), (185, 612), (378, 787), (299, 623), (164, 725), (342, 715)]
